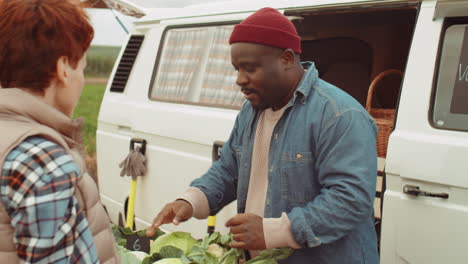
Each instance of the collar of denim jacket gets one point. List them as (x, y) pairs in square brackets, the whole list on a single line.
[(305, 85)]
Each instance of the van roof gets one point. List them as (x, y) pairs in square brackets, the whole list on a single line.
[(241, 6)]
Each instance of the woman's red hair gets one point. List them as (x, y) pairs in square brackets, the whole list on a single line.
[(34, 34)]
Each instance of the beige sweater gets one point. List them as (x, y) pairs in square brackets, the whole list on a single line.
[(277, 231), (25, 116)]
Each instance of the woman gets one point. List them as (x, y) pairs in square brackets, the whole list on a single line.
[(49, 206)]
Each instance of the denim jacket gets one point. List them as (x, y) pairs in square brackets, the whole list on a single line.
[(322, 172)]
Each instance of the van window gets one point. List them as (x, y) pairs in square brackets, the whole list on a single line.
[(194, 67), (451, 98)]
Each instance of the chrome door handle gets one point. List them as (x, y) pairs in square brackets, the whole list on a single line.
[(415, 190)]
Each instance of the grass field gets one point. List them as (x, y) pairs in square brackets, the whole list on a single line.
[(100, 60), (103, 51), (88, 107)]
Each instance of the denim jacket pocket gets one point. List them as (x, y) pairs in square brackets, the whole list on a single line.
[(296, 170)]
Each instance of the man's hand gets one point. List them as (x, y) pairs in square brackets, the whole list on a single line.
[(247, 230), (175, 212)]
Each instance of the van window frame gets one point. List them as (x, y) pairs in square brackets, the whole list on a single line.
[(452, 121), (158, 58)]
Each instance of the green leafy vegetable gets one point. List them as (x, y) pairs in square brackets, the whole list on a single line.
[(186, 260), (225, 239), (151, 259), (212, 250), (200, 255), (169, 261), (181, 240), (213, 238), (182, 248), (127, 257), (139, 254), (125, 232), (122, 242), (231, 257), (270, 256), (170, 252)]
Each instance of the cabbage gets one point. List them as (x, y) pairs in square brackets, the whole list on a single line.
[(232, 256), (139, 254), (181, 240), (169, 261), (182, 248), (127, 256)]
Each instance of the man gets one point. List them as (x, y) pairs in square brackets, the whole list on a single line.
[(301, 158)]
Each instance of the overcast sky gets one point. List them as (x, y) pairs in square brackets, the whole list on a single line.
[(108, 32)]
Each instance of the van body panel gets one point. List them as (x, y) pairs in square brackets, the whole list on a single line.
[(234, 18), (436, 157), (451, 8), (422, 239), (208, 10), (207, 14), (113, 188), (200, 120), (422, 229)]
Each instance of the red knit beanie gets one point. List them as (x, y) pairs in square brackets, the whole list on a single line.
[(269, 27)]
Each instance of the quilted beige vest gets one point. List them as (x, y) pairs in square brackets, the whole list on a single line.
[(23, 115)]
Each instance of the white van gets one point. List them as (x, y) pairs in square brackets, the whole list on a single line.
[(173, 86)]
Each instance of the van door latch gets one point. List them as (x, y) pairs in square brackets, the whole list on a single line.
[(414, 190)]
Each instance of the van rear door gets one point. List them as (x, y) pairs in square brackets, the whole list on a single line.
[(425, 209)]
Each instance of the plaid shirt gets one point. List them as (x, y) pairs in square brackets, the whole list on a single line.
[(36, 187)]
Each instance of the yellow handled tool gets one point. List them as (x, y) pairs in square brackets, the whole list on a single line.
[(215, 155), (133, 165), (131, 204), (211, 224)]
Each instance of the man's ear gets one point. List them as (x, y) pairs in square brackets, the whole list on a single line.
[(63, 69), (288, 58)]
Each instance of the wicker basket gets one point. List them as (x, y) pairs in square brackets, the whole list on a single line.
[(384, 118)]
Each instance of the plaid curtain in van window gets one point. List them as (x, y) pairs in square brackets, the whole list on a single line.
[(219, 82), (179, 60)]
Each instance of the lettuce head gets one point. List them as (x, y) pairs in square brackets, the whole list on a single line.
[(169, 261), (181, 240)]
